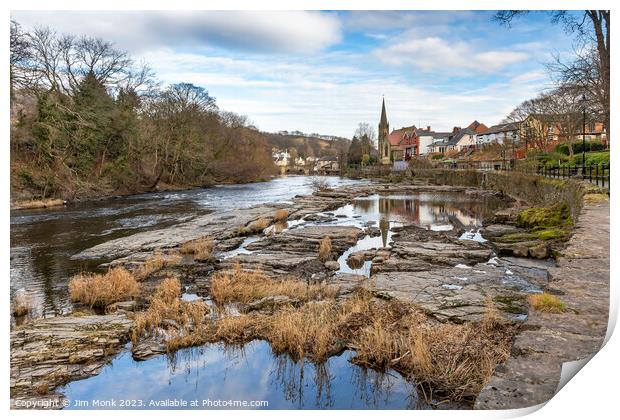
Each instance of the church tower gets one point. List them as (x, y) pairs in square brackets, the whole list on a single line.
[(384, 144)]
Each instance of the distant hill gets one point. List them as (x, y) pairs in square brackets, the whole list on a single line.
[(308, 145)]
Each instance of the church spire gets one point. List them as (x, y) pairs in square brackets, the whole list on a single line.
[(383, 122)]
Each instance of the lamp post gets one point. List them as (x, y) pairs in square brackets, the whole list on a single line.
[(583, 136)]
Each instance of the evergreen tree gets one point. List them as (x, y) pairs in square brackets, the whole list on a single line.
[(355, 151)]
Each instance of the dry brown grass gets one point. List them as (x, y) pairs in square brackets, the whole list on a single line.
[(280, 215), (100, 290), (325, 249), (201, 248), (181, 320), (21, 304), (38, 204), (545, 302), (150, 266), (240, 286), (276, 228), (254, 227), (453, 360)]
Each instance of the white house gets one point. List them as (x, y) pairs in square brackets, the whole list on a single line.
[(464, 139), (427, 138), (281, 158), (500, 134)]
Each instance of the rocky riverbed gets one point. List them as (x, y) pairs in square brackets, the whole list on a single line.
[(444, 249)]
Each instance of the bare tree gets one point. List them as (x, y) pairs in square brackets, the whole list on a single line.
[(590, 72), (366, 129)]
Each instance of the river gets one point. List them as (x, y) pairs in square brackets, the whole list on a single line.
[(43, 240)]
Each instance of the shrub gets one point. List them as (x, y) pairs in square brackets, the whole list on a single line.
[(545, 302), (100, 290), (319, 185), (325, 249)]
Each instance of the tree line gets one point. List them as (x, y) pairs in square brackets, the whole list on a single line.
[(86, 118)]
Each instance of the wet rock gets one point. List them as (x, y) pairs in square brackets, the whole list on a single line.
[(332, 265), (373, 232), (128, 306), (496, 230), (356, 260), (295, 252), (518, 249), (532, 373), (147, 349), (348, 283), (50, 352), (540, 251)]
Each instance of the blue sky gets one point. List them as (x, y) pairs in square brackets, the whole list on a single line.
[(326, 71)]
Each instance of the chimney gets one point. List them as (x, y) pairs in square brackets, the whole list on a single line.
[(428, 128)]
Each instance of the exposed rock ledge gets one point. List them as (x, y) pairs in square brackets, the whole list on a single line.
[(581, 279), (51, 352)]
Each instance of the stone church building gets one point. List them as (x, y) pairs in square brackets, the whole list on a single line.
[(399, 145)]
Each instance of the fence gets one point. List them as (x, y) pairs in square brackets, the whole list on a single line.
[(596, 174)]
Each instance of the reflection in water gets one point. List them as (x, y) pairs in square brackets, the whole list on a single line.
[(432, 211), (250, 373), (43, 240), (429, 210)]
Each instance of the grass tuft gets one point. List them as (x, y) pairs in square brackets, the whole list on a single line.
[(39, 204), (248, 286), (280, 215), (325, 249), (254, 227), (100, 290), (545, 302), (201, 248), (179, 321), (21, 304)]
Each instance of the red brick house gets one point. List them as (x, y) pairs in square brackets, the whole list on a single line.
[(404, 143)]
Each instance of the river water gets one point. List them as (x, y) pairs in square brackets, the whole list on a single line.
[(43, 240)]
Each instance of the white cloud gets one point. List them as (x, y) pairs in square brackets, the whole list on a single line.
[(434, 53), (292, 32), (318, 96)]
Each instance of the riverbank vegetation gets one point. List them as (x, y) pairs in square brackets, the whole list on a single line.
[(88, 120), (545, 302), (451, 360)]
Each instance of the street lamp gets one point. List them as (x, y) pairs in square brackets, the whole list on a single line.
[(583, 136)]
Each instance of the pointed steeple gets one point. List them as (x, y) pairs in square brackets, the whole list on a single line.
[(383, 122)]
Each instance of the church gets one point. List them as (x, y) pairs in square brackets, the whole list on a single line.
[(399, 145)]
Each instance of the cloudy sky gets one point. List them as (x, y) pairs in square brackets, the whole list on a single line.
[(326, 71)]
